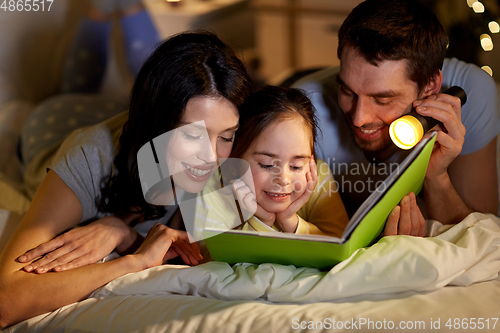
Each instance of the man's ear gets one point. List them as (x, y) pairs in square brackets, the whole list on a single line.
[(433, 86)]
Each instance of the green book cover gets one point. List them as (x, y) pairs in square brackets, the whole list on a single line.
[(324, 252)]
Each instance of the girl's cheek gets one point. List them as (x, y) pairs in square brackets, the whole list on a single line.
[(299, 184), (257, 179)]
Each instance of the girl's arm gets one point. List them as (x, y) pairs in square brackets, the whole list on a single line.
[(55, 209), (324, 210)]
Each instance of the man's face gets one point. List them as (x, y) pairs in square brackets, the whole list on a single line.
[(372, 97)]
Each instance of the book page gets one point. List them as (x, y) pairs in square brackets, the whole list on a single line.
[(382, 189)]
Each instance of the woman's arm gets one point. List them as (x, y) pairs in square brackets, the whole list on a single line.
[(55, 209), (82, 246)]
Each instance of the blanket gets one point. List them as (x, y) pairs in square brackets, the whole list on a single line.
[(467, 253)]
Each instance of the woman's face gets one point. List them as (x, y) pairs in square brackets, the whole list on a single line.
[(279, 161), (205, 133)]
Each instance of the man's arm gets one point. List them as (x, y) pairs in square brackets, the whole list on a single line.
[(474, 176), (471, 185)]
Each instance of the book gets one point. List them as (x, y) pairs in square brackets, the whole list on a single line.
[(323, 252)]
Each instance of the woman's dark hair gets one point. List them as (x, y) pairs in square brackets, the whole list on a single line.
[(184, 66), (266, 106), (395, 30)]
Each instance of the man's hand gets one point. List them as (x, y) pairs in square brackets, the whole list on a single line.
[(80, 246), (405, 219), (444, 203), (450, 136)]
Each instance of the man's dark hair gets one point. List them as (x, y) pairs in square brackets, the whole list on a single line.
[(395, 30)]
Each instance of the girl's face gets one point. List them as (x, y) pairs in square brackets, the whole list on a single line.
[(279, 161), (205, 133)]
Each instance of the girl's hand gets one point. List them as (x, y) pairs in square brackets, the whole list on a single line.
[(406, 219), (247, 202), (163, 243), (288, 219), (80, 246)]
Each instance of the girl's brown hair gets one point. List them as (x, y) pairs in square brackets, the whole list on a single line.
[(266, 106)]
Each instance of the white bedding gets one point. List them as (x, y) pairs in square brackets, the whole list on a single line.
[(467, 253), (400, 280), (176, 313)]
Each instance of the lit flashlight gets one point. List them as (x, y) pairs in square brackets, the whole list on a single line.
[(407, 131)]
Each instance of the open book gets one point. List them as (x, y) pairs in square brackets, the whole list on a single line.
[(323, 252)]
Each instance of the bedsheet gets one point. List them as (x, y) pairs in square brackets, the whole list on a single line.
[(467, 253), (406, 311), (399, 283)]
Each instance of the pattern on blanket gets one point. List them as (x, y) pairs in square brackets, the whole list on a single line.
[(467, 253)]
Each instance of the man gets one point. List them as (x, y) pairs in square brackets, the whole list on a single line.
[(391, 54)]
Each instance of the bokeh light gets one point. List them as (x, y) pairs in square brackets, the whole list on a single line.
[(478, 7), (488, 70), (494, 27), (486, 42)]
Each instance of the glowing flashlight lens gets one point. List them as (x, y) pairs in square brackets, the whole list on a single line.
[(405, 132)]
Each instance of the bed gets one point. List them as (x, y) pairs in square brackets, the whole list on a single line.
[(445, 283), (448, 282)]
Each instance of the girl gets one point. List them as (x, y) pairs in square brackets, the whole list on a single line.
[(285, 192), (93, 178)]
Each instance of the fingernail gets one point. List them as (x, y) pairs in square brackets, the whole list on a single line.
[(421, 108), (406, 200), (395, 211), (40, 270), (22, 258), (28, 268), (417, 102)]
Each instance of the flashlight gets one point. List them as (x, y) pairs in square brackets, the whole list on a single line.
[(407, 131)]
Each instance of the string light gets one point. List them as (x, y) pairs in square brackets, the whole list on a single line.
[(488, 70), (486, 42), (478, 7), (471, 2), (485, 39), (494, 27)]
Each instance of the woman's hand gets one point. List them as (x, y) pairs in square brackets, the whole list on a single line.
[(80, 246), (247, 202), (288, 219), (406, 219), (163, 243)]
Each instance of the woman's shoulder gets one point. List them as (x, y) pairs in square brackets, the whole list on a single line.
[(93, 145), (85, 158), (108, 131), (101, 138)]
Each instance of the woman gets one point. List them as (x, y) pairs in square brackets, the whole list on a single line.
[(190, 78)]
